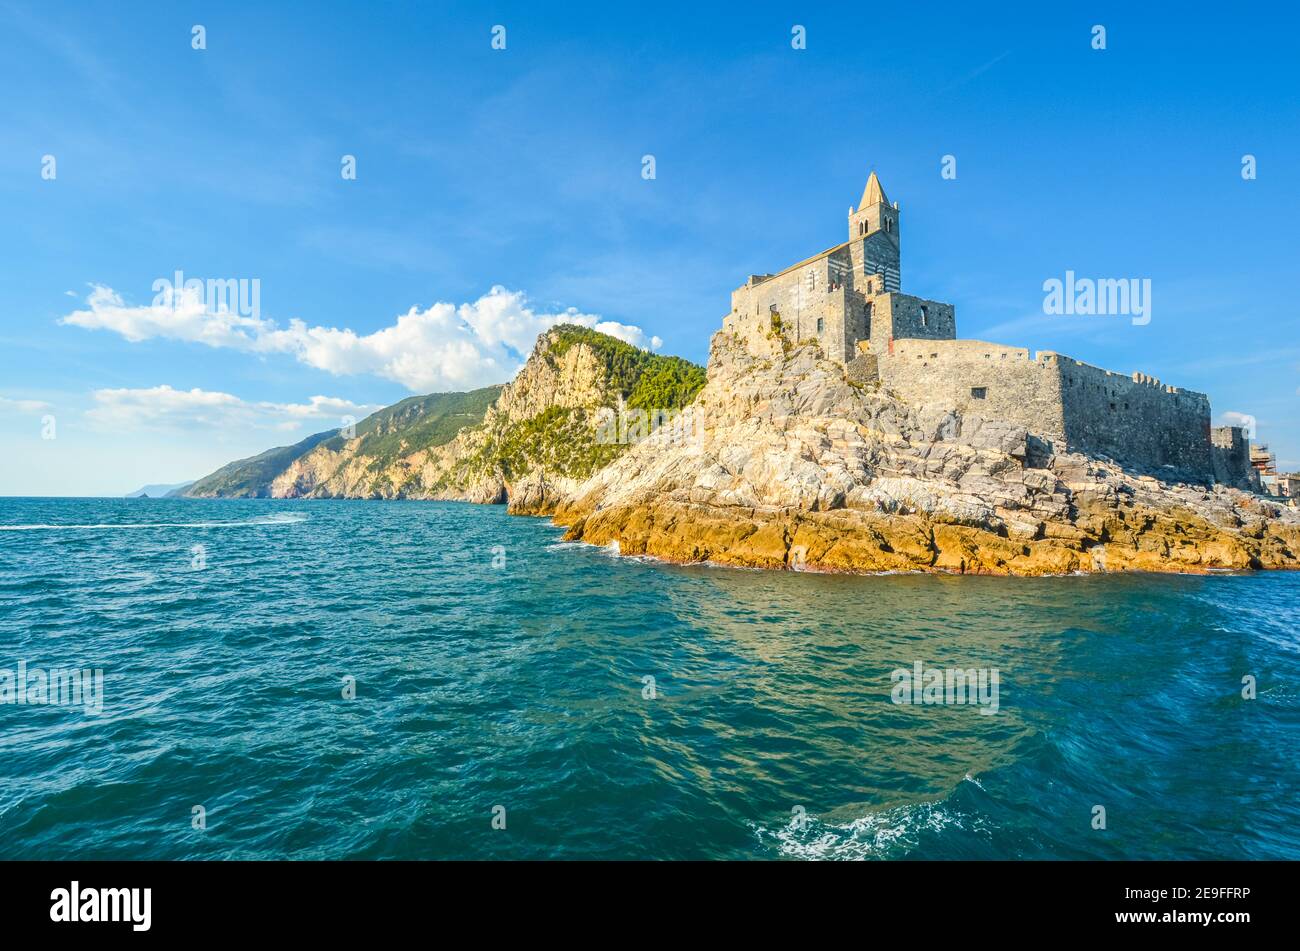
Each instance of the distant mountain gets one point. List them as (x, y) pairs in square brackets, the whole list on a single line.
[(158, 491), (251, 478), (418, 422)]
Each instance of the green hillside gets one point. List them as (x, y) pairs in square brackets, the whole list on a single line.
[(251, 478), (418, 422), (563, 440), (645, 380)]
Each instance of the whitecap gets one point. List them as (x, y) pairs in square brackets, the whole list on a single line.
[(264, 520), (876, 835)]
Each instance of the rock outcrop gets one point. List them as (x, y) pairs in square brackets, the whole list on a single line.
[(534, 445), (792, 461), (796, 466)]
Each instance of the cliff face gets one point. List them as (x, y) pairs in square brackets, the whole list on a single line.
[(798, 467), (380, 438), (369, 464), (251, 478), (536, 442)]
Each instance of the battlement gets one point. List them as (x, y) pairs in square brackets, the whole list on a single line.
[(1100, 377)]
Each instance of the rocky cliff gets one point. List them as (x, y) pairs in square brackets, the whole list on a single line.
[(530, 443), (541, 439), (369, 463), (412, 424), (797, 467)]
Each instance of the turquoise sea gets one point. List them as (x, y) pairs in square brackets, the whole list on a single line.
[(501, 674)]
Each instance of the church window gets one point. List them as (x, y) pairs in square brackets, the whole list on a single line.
[(979, 392), (820, 324)]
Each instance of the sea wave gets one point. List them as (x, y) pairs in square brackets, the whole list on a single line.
[(887, 833), (261, 520)]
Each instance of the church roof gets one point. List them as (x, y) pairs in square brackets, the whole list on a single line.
[(873, 194), (816, 257)]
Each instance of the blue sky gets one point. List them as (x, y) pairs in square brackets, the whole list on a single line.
[(498, 190)]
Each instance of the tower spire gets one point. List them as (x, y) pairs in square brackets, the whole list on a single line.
[(873, 194)]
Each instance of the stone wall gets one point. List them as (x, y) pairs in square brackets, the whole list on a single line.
[(813, 299), (1071, 405), (847, 299), (1230, 458), (898, 316), (864, 367), (980, 379), (1135, 418)]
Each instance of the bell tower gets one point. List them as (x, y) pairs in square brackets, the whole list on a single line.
[(873, 236)]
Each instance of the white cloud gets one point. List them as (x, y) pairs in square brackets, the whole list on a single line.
[(1245, 420), (445, 347), (164, 407), (22, 406)]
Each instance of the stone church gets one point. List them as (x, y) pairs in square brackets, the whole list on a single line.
[(848, 301)]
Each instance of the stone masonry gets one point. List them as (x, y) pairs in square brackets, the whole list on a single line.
[(848, 299)]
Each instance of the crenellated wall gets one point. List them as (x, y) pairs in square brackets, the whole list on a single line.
[(1135, 418), (1072, 405)]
